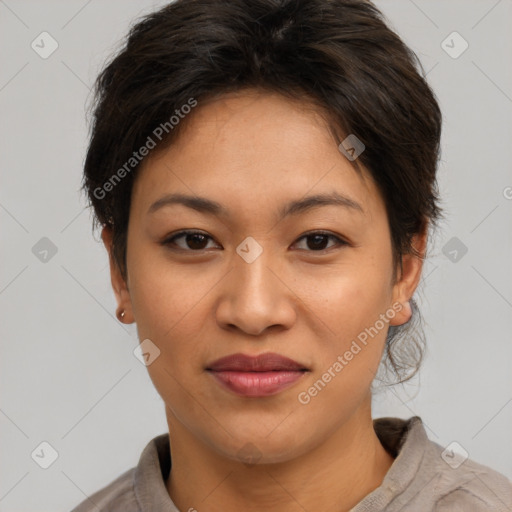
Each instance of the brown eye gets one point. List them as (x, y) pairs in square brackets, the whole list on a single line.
[(317, 241), (191, 240), (194, 241)]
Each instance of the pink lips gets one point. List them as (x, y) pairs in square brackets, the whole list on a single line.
[(263, 375)]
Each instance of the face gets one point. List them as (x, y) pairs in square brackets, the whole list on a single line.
[(290, 254)]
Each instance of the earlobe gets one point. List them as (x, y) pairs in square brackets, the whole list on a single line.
[(404, 313), (124, 310), (409, 279)]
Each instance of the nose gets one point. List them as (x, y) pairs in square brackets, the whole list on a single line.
[(255, 297)]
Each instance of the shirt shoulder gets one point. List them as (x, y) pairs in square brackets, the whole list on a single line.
[(465, 484), (118, 496), (141, 488), (425, 477)]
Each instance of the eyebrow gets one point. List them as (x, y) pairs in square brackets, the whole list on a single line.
[(204, 205)]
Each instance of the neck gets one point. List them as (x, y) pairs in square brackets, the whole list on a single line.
[(334, 476)]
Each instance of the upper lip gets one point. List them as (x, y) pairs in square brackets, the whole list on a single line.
[(266, 362)]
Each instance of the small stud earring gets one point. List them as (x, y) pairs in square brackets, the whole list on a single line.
[(120, 314)]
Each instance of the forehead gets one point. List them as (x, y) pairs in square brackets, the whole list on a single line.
[(254, 147)]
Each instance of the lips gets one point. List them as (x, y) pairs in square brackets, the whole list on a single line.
[(267, 362), (256, 376)]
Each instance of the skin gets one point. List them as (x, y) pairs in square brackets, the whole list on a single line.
[(254, 152)]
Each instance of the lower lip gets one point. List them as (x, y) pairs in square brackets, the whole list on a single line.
[(257, 384)]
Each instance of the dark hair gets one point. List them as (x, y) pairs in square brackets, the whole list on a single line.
[(336, 54)]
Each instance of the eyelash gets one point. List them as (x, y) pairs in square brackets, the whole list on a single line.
[(169, 241)]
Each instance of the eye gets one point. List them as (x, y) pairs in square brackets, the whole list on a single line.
[(192, 240), (316, 240), (195, 241)]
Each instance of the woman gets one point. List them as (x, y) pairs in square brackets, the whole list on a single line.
[(264, 173)]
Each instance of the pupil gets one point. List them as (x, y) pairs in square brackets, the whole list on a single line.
[(318, 239), (195, 241)]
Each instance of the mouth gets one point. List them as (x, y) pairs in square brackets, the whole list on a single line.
[(256, 376)]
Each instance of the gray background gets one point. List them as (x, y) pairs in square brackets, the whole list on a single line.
[(68, 374)]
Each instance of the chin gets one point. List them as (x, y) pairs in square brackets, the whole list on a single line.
[(255, 448)]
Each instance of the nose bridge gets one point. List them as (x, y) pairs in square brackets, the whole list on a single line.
[(254, 298), (254, 282)]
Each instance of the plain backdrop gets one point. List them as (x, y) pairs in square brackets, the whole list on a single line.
[(68, 374)]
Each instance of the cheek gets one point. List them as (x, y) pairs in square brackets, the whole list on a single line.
[(348, 353), (348, 305), (162, 294), (169, 308), (350, 296)]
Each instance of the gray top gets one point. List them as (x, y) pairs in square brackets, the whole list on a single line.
[(423, 478)]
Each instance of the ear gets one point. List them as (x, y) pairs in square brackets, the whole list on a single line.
[(409, 279), (119, 285)]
